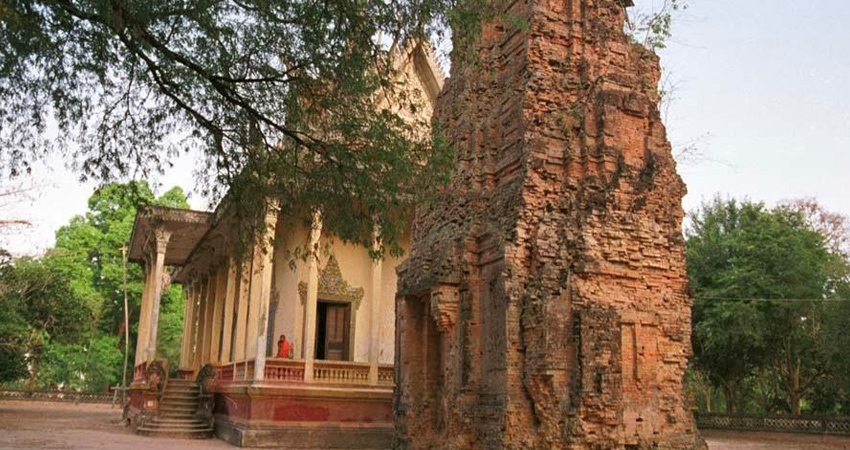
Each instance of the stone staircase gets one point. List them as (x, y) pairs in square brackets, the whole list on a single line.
[(177, 413)]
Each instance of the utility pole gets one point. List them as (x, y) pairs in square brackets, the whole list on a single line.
[(126, 329)]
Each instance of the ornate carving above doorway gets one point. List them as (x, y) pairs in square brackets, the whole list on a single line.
[(332, 286)]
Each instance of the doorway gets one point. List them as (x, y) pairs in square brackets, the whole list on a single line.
[(333, 331)]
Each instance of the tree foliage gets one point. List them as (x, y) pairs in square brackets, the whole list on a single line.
[(62, 316), (39, 306), (292, 100), (764, 322)]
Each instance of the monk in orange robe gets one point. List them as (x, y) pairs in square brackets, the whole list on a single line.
[(284, 347)]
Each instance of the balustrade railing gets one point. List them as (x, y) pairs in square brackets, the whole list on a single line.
[(794, 424), (239, 371), (249, 370), (386, 375), (226, 374), (284, 370), (293, 370), (341, 372)]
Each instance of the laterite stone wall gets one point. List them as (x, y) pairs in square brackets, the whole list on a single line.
[(544, 304)]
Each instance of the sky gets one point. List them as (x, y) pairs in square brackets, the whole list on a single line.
[(761, 90)]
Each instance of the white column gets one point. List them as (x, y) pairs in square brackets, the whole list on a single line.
[(374, 316), (208, 315), (230, 297), (144, 313), (218, 316), (193, 325), (254, 303), (162, 238), (200, 323), (309, 338), (188, 312), (266, 272), (242, 310)]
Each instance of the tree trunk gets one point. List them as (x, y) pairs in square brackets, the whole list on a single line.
[(729, 394), (794, 391), (795, 403), (36, 363), (792, 385)]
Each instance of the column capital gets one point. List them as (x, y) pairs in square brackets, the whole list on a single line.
[(162, 237), (272, 211), (316, 223)]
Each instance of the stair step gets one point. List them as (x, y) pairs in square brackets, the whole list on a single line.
[(178, 409), (177, 404), (179, 401), (147, 427), (177, 413), (181, 394), (168, 409), (204, 433), (178, 416), (188, 425), (188, 420), (168, 393), (182, 390)]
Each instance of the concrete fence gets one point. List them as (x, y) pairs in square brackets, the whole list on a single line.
[(838, 425)]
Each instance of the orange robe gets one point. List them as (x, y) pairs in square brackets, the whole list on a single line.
[(283, 348)]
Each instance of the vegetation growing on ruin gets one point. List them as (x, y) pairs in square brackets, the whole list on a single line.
[(652, 26)]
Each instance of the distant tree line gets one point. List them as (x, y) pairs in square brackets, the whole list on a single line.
[(62, 314), (771, 313)]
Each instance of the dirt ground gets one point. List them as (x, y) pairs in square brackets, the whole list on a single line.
[(750, 440), (42, 425)]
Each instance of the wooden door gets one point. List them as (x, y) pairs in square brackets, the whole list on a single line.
[(336, 332)]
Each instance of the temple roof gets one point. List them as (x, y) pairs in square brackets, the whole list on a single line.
[(187, 228)]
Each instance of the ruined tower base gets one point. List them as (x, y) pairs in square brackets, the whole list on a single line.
[(545, 305)]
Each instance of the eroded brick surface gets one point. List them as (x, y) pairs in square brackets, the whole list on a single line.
[(544, 304)]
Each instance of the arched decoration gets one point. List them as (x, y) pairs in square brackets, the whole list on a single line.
[(333, 287)]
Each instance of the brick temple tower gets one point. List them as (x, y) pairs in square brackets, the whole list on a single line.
[(544, 304)]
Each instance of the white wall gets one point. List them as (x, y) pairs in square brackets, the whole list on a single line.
[(356, 267)]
